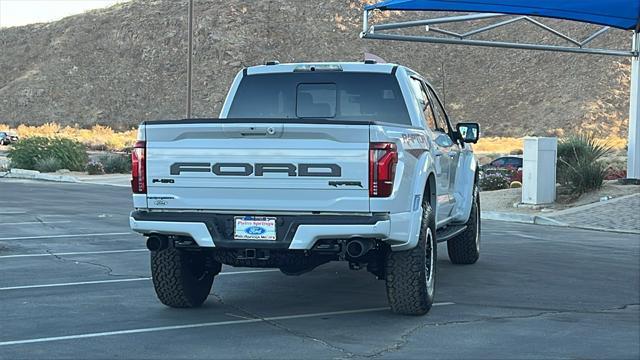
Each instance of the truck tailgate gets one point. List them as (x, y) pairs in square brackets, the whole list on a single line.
[(256, 166)]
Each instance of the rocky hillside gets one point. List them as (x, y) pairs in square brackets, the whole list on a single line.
[(125, 64)]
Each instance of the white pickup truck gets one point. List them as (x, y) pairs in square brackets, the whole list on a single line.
[(307, 164)]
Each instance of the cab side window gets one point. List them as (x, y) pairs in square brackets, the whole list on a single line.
[(514, 162), (499, 162), (424, 102), (440, 117)]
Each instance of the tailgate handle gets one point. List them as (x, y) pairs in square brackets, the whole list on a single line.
[(253, 130), (258, 132)]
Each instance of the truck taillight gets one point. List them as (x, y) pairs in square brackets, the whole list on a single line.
[(139, 168), (383, 158)]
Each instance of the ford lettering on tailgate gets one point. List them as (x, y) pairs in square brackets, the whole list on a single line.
[(258, 169)]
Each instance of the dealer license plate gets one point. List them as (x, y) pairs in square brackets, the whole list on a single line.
[(255, 228)]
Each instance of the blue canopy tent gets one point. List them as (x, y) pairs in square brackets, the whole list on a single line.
[(619, 14)]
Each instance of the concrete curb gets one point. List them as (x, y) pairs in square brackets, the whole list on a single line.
[(503, 216), (596, 228), (521, 218), (105, 184), (37, 175), (543, 220), (85, 179)]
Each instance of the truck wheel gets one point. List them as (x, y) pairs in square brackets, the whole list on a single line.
[(181, 279), (465, 247), (410, 274)]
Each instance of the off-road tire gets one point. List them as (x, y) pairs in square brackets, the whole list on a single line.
[(410, 275), (182, 279), (464, 248)]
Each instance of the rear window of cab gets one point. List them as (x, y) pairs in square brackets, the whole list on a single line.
[(321, 95)]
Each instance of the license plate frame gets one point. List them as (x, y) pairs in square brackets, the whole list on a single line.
[(255, 228)]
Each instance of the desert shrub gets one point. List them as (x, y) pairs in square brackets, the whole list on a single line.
[(585, 176), (516, 152), (95, 168), (515, 185), (116, 163), (27, 153), (48, 164), (580, 167), (494, 181)]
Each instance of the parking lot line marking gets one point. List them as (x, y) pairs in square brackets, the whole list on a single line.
[(444, 303), (37, 222), (64, 236), (71, 253), (188, 326), (197, 325), (23, 287), (72, 283)]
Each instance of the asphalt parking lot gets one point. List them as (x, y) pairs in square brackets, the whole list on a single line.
[(74, 283)]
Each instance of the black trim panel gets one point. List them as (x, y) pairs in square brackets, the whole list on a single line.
[(220, 226), (273, 121)]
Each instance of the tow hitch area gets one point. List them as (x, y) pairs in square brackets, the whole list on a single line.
[(253, 254)]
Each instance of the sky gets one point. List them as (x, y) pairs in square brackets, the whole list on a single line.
[(23, 12)]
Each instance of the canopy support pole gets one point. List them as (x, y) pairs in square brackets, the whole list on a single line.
[(633, 152), (189, 58)]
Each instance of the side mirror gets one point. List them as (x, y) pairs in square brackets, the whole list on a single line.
[(468, 132)]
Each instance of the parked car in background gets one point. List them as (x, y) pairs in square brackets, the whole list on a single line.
[(510, 165), (513, 162), (7, 138)]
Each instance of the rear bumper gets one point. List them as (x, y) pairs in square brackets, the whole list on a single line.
[(294, 232)]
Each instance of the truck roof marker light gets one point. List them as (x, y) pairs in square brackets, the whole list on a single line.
[(319, 68)]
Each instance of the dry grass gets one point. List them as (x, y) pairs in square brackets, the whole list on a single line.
[(98, 137), (498, 145), (505, 145)]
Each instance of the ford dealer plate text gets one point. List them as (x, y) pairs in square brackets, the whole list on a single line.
[(255, 228)]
